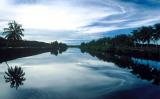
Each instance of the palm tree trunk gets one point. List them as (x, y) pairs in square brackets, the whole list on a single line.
[(7, 64), (7, 47)]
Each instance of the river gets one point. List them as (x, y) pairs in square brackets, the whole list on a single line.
[(76, 75)]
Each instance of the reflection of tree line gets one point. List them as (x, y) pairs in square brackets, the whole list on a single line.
[(56, 52), (12, 47), (143, 41), (141, 70), (15, 75), (58, 48), (10, 54)]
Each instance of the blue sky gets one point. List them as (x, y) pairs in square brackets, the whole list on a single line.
[(78, 20)]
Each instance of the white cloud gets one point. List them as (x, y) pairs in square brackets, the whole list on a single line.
[(66, 19)]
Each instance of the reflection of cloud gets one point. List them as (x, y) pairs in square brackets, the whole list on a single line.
[(74, 19), (74, 76)]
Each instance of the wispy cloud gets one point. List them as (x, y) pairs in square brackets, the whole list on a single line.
[(49, 20)]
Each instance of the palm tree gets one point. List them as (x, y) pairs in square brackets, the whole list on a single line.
[(146, 34), (15, 76), (136, 36), (14, 31), (143, 34), (156, 35)]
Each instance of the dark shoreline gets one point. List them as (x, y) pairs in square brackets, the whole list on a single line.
[(142, 71), (7, 54), (130, 52)]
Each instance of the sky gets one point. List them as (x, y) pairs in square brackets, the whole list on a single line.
[(75, 21)]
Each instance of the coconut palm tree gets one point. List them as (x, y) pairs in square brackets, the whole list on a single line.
[(136, 36), (14, 31), (15, 76), (146, 34), (156, 35)]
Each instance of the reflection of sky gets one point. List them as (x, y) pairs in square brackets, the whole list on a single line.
[(154, 64), (80, 20), (71, 74)]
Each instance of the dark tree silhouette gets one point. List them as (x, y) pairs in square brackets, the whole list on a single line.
[(142, 71), (156, 34), (146, 34), (14, 76), (14, 31)]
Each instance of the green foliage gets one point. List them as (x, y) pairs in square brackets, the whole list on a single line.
[(122, 40), (143, 34), (57, 45), (58, 48), (137, 38), (156, 33), (14, 31)]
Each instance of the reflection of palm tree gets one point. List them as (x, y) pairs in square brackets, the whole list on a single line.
[(15, 76), (14, 31), (54, 52), (141, 70)]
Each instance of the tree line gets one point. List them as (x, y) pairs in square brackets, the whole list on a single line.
[(146, 37), (12, 46), (13, 38), (147, 34)]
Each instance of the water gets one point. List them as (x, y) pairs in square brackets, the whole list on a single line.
[(75, 75)]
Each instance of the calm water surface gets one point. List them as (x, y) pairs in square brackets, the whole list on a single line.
[(75, 75)]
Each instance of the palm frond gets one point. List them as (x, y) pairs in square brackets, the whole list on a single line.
[(14, 76), (14, 31)]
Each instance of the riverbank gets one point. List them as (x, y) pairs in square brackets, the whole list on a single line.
[(152, 53), (7, 54), (74, 74), (11, 49), (28, 44)]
